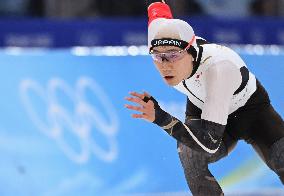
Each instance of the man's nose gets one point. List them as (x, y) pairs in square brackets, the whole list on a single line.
[(166, 64)]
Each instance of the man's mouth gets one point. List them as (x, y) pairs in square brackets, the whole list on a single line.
[(168, 77)]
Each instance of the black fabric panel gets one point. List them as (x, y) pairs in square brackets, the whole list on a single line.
[(207, 132), (192, 110), (196, 63), (259, 97), (200, 42), (259, 125), (245, 78)]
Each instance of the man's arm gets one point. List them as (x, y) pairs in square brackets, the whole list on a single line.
[(198, 134)]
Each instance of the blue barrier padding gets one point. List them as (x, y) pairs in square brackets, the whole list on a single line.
[(125, 31)]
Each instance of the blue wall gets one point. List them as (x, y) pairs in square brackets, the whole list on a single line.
[(64, 130), (123, 31)]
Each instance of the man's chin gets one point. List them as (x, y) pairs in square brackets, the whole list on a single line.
[(171, 81)]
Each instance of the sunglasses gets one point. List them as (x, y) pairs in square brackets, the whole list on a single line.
[(171, 56)]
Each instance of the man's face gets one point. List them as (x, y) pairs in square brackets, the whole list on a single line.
[(175, 69)]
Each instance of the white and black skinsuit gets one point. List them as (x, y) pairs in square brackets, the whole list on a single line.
[(225, 103)]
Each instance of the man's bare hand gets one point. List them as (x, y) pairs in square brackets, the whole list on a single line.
[(146, 109)]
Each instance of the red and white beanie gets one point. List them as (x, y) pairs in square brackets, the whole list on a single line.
[(163, 30)]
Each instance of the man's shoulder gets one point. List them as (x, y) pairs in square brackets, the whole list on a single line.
[(217, 53)]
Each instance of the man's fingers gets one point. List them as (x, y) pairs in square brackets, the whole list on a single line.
[(136, 108), (142, 116), (146, 94), (139, 116), (136, 100), (135, 94), (141, 96)]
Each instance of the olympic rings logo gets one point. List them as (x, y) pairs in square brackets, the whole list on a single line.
[(84, 118)]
